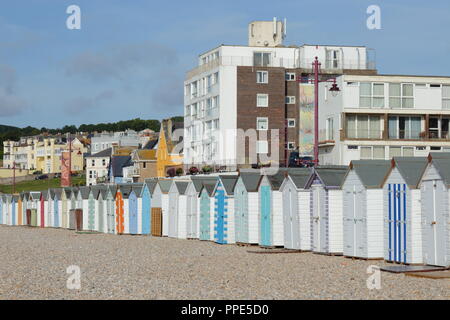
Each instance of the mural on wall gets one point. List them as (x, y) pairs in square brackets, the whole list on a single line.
[(306, 121), (65, 169)]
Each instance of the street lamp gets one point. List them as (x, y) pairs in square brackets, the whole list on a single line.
[(334, 91)]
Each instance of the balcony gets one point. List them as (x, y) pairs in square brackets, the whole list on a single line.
[(339, 65), (212, 113)]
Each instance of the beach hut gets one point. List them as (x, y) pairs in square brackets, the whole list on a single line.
[(134, 208), (297, 209), (327, 218), (57, 207), (271, 209), (1, 208), (177, 210), (65, 207), (34, 206), (83, 206), (102, 209), (19, 209), (161, 204), (92, 223), (402, 210), (24, 206), (146, 205), (111, 191), (362, 199), (435, 195), (41, 209), (14, 211), (122, 208), (207, 204), (246, 206), (224, 232)]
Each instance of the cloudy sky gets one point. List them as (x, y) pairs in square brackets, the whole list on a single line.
[(130, 57)]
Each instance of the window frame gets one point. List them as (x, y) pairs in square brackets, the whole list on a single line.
[(266, 77), (266, 95), (267, 123), (291, 119), (289, 100)]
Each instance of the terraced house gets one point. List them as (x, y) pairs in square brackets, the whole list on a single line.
[(383, 116)]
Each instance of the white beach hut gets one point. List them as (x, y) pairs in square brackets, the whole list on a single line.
[(362, 192), (177, 210)]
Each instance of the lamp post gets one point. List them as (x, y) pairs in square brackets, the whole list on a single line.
[(334, 90)]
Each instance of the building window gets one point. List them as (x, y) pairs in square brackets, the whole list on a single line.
[(261, 59), (438, 127), (93, 163), (290, 76), (291, 123), (104, 162), (372, 152), (262, 77), (332, 59), (446, 97), (216, 78), (290, 99), (404, 127), (290, 145), (330, 129), (262, 123), (365, 152), (363, 127), (401, 95), (262, 147), (144, 165), (262, 100), (371, 95), (395, 152)]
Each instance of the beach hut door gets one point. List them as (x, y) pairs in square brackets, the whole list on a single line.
[(219, 229), (435, 202), (397, 222), (265, 216), (204, 217), (133, 214)]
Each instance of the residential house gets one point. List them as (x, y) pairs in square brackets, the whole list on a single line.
[(97, 166), (144, 161)]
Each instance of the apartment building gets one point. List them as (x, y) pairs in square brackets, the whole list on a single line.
[(128, 138), (43, 153), (240, 98), (382, 116)]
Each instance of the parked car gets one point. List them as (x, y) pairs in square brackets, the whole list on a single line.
[(297, 161), (41, 177)]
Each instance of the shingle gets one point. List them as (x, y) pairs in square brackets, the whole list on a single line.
[(411, 169), (371, 172)]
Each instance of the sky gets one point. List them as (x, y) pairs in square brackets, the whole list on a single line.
[(129, 58)]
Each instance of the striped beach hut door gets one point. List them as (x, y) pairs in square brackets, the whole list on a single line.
[(204, 216), (265, 216), (146, 214), (101, 213), (91, 213), (42, 206), (435, 204), (133, 213), (397, 222), (110, 214), (56, 212), (13, 211), (119, 213), (220, 211)]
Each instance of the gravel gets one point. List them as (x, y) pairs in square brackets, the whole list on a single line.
[(34, 261)]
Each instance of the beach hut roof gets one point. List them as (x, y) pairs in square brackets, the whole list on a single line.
[(67, 191), (228, 182), (125, 190), (151, 184), (439, 155), (113, 189), (15, 197), (276, 179), (300, 176), (371, 172), (330, 176), (443, 167), (84, 191), (410, 168), (197, 181), (181, 186), (137, 189), (250, 179), (209, 186), (165, 185), (57, 192), (34, 195)]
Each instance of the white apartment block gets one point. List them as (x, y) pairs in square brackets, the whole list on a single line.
[(225, 92), (104, 140), (97, 166), (381, 116)]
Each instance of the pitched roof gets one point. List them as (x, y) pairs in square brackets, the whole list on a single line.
[(67, 191), (250, 180), (84, 191), (275, 180), (197, 181), (125, 190), (181, 186), (443, 167), (150, 144), (371, 172), (209, 186), (35, 195), (146, 155), (151, 184), (118, 163), (58, 192), (300, 176), (439, 155), (331, 176), (102, 154), (229, 181), (165, 185), (113, 189), (410, 168), (137, 188)]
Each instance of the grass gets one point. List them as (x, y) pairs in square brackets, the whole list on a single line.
[(39, 185)]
